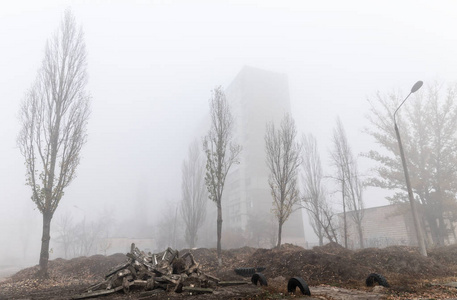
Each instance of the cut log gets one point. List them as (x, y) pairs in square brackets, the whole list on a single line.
[(150, 284), (114, 281), (148, 295), (230, 283), (179, 285), (196, 290), (98, 293), (124, 273), (140, 283), (132, 271), (193, 269), (126, 285), (117, 269), (213, 278), (170, 279), (97, 286)]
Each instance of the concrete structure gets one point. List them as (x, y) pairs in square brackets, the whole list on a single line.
[(256, 97), (389, 225), (382, 226)]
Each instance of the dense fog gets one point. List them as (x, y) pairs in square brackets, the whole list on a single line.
[(151, 68)]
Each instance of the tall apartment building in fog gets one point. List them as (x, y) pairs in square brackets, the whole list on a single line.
[(256, 97)]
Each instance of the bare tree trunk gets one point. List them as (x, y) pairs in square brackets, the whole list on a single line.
[(46, 237), (219, 233), (434, 230), (279, 233), (174, 227), (344, 217), (442, 230), (360, 236), (451, 222), (321, 236)]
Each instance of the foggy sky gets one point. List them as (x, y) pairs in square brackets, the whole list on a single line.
[(152, 65)]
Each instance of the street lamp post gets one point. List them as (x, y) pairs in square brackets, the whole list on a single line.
[(420, 238)]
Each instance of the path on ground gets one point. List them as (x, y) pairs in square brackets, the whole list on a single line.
[(335, 293)]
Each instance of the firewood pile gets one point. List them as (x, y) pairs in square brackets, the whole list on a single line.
[(155, 273)]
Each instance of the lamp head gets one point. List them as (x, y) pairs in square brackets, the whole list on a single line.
[(416, 86)]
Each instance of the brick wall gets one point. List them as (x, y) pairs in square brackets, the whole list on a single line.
[(382, 226)]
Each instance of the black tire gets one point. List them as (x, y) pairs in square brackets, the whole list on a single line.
[(259, 278), (295, 282), (373, 277), (245, 271)]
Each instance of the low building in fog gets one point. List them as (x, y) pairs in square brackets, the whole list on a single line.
[(384, 226)]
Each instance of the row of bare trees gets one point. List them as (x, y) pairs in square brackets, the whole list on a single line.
[(56, 109), (83, 238), (322, 217), (54, 116), (347, 175), (284, 157), (429, 128)]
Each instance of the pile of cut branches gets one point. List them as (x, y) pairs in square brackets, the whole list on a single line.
[(154, 273)]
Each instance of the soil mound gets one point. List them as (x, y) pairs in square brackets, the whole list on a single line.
[(447, 255), (402, 260), (66, 278), (315, 267), (330, 264), (333, 264), (233, 258), (83, 268)]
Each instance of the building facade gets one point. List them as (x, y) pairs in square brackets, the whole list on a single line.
[(382, 226), (256, 97)]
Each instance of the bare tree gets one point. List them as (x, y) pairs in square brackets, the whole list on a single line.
[(314, 192), (221, 154), (261, 230), (65, 229), (53, 115), (329, 223), (167, 228), (283, 159), (347, 175), (337, 157), (355, 189), (87, 236), (194, 193)]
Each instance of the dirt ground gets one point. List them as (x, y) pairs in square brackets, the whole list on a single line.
[(331, 271)]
